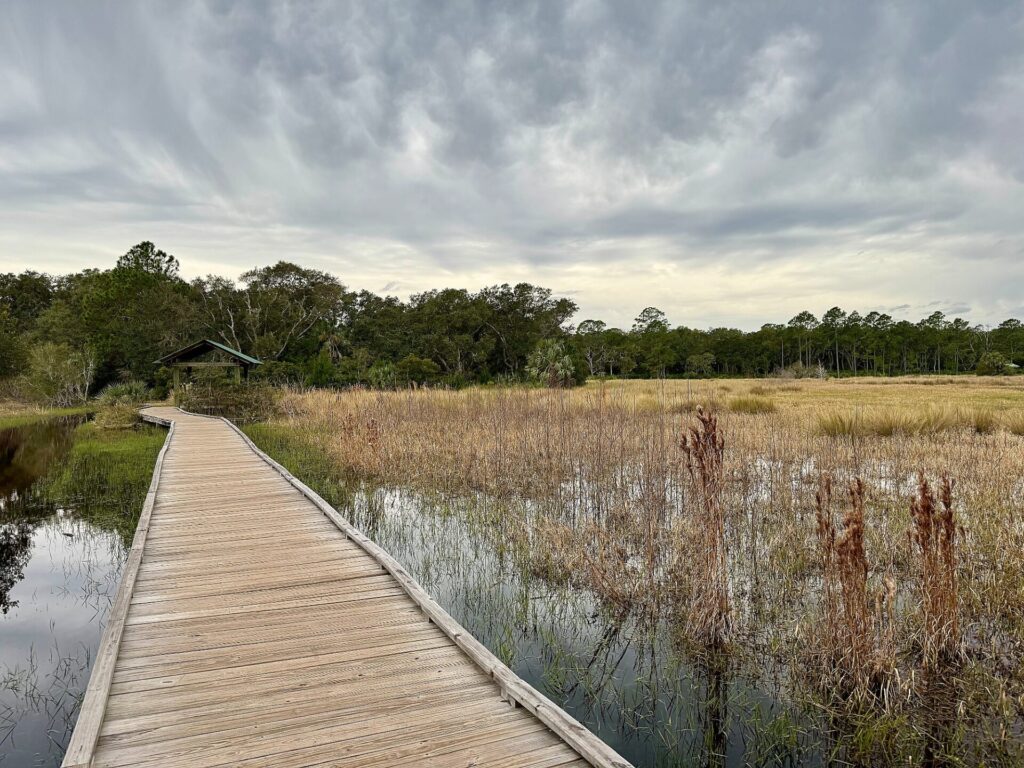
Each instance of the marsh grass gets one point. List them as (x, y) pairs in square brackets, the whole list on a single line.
[(767, 390), (117, 416), (105, 475), (1014, 423), (751, 404), (18, 414), (887, 422), (591, 488)]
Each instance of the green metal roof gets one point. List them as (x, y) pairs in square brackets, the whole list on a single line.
[(201, 347)]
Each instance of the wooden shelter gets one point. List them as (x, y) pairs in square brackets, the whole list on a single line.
[(188, 358)]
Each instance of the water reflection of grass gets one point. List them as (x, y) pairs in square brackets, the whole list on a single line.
[(45, 662), (105, 476), (28, 451)]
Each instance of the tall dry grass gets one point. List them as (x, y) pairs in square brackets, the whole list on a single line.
[(596, 487)]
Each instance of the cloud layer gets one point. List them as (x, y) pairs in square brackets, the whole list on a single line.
[(731, 163)]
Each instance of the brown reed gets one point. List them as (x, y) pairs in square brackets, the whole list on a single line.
[(933, 531), (852, 568), (710, 614), (854, 640), (826, 530)]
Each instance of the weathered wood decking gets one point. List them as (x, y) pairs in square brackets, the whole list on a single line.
[(255, 627)]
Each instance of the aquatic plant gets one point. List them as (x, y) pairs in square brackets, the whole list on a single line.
[(853, 648), (934, 532), (709, 614)]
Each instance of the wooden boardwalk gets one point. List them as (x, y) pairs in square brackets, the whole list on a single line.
[(255, 627)]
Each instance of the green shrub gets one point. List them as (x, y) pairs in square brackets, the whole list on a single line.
[(132, 392), (117, 416), (58, 375), (417, 370), (701, 365), (320, 371), (278, 372), (992, 364), (13, 346), (550, 365)]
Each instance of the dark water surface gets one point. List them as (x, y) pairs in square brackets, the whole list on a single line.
[(635, 688), (67, 497)]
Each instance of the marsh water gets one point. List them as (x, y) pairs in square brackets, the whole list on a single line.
[(634, 687), (66, 501)]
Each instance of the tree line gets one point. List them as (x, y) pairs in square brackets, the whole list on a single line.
[(839, 343), (101, 326)]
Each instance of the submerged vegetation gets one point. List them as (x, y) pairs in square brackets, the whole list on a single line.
[(869, 575), (72, 464)]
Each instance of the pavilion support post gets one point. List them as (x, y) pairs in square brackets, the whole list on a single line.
[(177, 378), (238, 374)]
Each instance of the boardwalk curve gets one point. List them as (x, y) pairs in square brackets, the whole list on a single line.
[(254, 626)]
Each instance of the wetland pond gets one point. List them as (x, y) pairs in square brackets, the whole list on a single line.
[(70, 496)]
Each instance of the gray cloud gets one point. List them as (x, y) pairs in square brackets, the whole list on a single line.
[(732, 162)]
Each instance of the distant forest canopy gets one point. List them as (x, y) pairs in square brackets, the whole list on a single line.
[(309, 328)]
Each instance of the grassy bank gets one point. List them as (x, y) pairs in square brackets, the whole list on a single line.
[(105, 475), (17, 414), (597, 488), (293, 451)]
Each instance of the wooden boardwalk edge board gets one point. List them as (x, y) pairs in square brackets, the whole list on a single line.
[(513, 689), (94, 704)]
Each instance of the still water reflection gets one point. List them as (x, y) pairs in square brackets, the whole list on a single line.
[(634, 688), (58, 574)]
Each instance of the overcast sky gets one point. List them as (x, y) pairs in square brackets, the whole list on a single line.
[(730, 163)]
